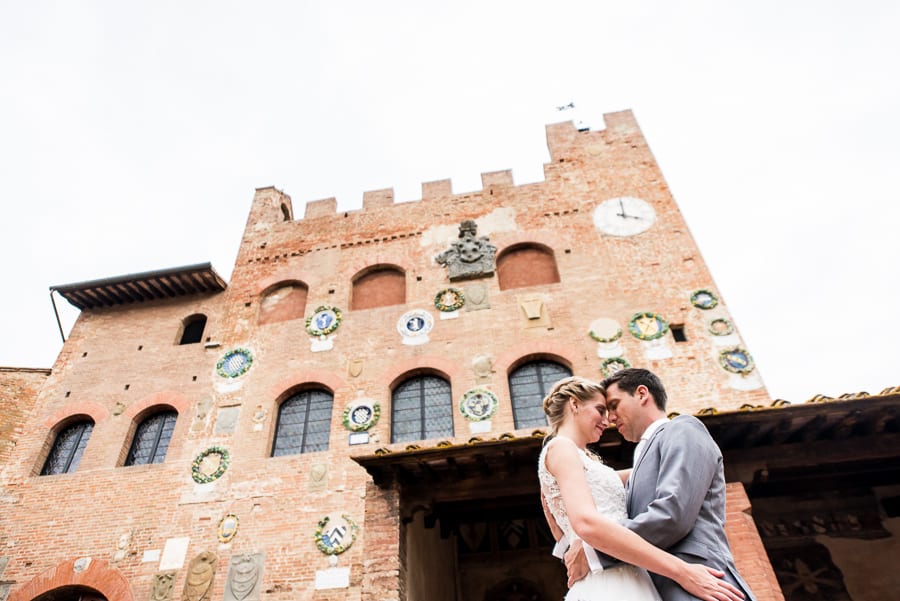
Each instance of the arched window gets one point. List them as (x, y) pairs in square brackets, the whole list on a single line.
[(68, 448), (528, 385), (304, 423), (151, 439), (283, 302), (421, 407), (193, 329), (526, 265), (378, 287)]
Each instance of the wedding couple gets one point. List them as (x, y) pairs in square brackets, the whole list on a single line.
[(668, 518)]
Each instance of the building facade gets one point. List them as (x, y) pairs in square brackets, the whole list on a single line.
[(356, 415)]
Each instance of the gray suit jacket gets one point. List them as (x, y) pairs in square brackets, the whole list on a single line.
[(676, 500)]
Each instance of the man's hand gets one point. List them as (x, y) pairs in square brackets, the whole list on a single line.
[(576, 562)]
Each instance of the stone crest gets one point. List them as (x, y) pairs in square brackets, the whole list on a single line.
[(243, 581), (163, 586), (470, 256), (199, 580)]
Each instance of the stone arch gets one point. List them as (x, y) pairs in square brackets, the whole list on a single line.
[(284, 275), (293, 381), (527, 351), (382, 257), (95, 411), (87, 572), (404, 369), (175, 400)]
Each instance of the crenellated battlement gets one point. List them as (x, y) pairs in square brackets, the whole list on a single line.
[(570, 149)]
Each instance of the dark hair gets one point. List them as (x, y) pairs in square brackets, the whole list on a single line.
[(629, 379)]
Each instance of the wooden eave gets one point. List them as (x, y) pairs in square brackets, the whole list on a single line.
[(142, 287), (843, 431)]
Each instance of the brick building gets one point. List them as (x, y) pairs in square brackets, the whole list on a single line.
[(356, 414)]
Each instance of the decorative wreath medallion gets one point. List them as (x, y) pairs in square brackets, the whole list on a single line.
[(736, 360), (228, 527), (235, 363), (478, 404), (334, 536), (324, 320), (605, 330), (721, 327), (449, 299), (415, 323), (202, 470), (361, 415), (613, 338), (704, 299), (614, 364), (647, 326)]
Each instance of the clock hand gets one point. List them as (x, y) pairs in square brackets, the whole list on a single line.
[(623, 215)]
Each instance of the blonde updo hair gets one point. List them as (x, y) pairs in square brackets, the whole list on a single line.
[(573, 387)]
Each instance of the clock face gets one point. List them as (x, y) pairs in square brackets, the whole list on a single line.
[(624, 216)]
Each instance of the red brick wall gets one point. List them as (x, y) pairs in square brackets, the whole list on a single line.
[(749, 554), (379, 288), (119, 361), (526, 266), (19, 389)]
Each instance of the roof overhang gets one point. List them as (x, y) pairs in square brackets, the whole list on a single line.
[(142, 287), (821, 432)]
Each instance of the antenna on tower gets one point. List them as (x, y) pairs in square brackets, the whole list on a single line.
[(579, 124)]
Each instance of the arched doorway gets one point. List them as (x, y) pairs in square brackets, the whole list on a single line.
[(71, 593), (83, 579)]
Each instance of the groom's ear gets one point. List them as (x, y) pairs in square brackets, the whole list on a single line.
[(643, 394)]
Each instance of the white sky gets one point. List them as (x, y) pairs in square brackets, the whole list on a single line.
[(133, 134)]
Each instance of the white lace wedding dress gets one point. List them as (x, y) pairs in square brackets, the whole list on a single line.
[(623, 582)]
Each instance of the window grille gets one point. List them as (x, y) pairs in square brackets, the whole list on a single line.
[(421, 407), (151, 439), (528, 385), (304, 423), (68, 449)]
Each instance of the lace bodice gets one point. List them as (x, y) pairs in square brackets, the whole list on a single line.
[(605, 485)]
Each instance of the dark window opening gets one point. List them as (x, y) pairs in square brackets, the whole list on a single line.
[(678, 333), (68, 448), (151, 439), (193, 329)]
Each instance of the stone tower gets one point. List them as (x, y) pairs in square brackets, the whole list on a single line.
[(361, 400)]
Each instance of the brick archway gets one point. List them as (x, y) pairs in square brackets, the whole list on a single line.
[(86, 572)]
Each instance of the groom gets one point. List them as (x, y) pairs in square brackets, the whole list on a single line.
[(675, 495)]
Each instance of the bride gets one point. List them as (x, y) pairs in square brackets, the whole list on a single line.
[(586, 500)]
